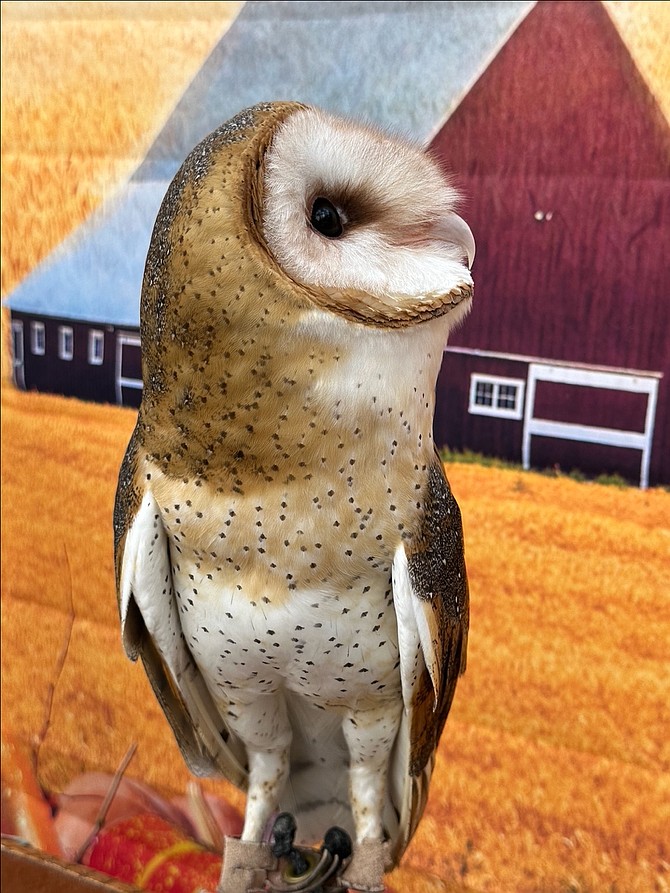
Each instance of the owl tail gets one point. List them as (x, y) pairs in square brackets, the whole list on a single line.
[(317, 793)]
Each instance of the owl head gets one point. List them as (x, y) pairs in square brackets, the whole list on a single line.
[(286, 213)]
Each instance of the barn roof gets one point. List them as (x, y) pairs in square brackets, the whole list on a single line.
[(402, 65), (565, 157)]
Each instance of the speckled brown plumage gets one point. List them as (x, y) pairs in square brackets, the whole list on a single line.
[(281, 504)]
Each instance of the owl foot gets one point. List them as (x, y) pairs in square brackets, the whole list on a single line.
[(365, 871), (245, 866), (304, 870)]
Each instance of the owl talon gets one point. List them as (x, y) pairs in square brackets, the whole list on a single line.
[(305, 870), (283, 835)]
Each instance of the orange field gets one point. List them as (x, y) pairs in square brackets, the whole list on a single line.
[(554, 771)]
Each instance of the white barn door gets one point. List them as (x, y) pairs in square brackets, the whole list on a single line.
[(619, 381), (128, 368)]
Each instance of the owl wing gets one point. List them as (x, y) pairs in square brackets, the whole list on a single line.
[(430, 592), (151, 629)]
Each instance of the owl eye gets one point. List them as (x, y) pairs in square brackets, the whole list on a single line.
[(325, 218)]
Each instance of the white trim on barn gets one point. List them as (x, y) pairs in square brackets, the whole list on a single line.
[(582, 377), (526, 358)]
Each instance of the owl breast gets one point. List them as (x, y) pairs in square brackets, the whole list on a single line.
[(287, 581), (285, 590)]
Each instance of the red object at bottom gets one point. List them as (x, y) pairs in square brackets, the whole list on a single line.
[(154, 855)]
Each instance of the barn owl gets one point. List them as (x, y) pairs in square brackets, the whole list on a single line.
[(289, 554)]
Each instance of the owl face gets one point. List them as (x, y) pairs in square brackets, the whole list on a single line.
[(365, 222)]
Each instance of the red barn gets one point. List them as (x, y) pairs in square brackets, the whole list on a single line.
[(564, 156)]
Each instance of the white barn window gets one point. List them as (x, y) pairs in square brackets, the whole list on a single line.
[(96, 347), (37, 339), (496, 396), (65, 342)]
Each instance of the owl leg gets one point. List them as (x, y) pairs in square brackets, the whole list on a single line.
[(370, 735), (264, 727)]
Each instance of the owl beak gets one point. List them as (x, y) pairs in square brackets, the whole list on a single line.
[(454, 229)]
